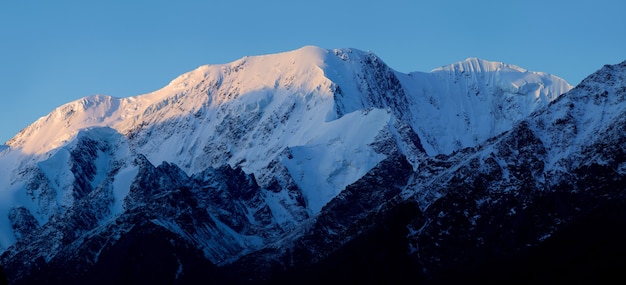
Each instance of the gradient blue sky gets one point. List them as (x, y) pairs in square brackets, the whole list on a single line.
[(53, 52)]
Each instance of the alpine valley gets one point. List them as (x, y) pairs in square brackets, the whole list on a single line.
[(317, 166)]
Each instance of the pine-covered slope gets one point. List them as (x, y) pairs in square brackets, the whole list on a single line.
[(229, 163)]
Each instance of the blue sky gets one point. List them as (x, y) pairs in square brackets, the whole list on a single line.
[(53, 52)]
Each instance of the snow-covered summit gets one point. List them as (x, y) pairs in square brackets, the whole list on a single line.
[(465, 103), (313, 120), (247, 77), (341, 78), (474, 64), (510, 77)]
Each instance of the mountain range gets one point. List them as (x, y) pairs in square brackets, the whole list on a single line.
[(321, 165)]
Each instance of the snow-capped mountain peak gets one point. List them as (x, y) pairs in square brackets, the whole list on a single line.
[(467, 102), (62, 125), (474, 64), (305, 124)]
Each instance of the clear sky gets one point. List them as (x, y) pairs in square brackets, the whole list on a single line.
[(53, 52)]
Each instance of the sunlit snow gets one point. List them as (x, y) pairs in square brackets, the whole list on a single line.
[(316, 111)]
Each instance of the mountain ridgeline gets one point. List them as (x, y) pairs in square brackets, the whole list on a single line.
[(316, 166)]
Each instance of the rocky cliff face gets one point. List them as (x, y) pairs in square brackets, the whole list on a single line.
[(319, 165)]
